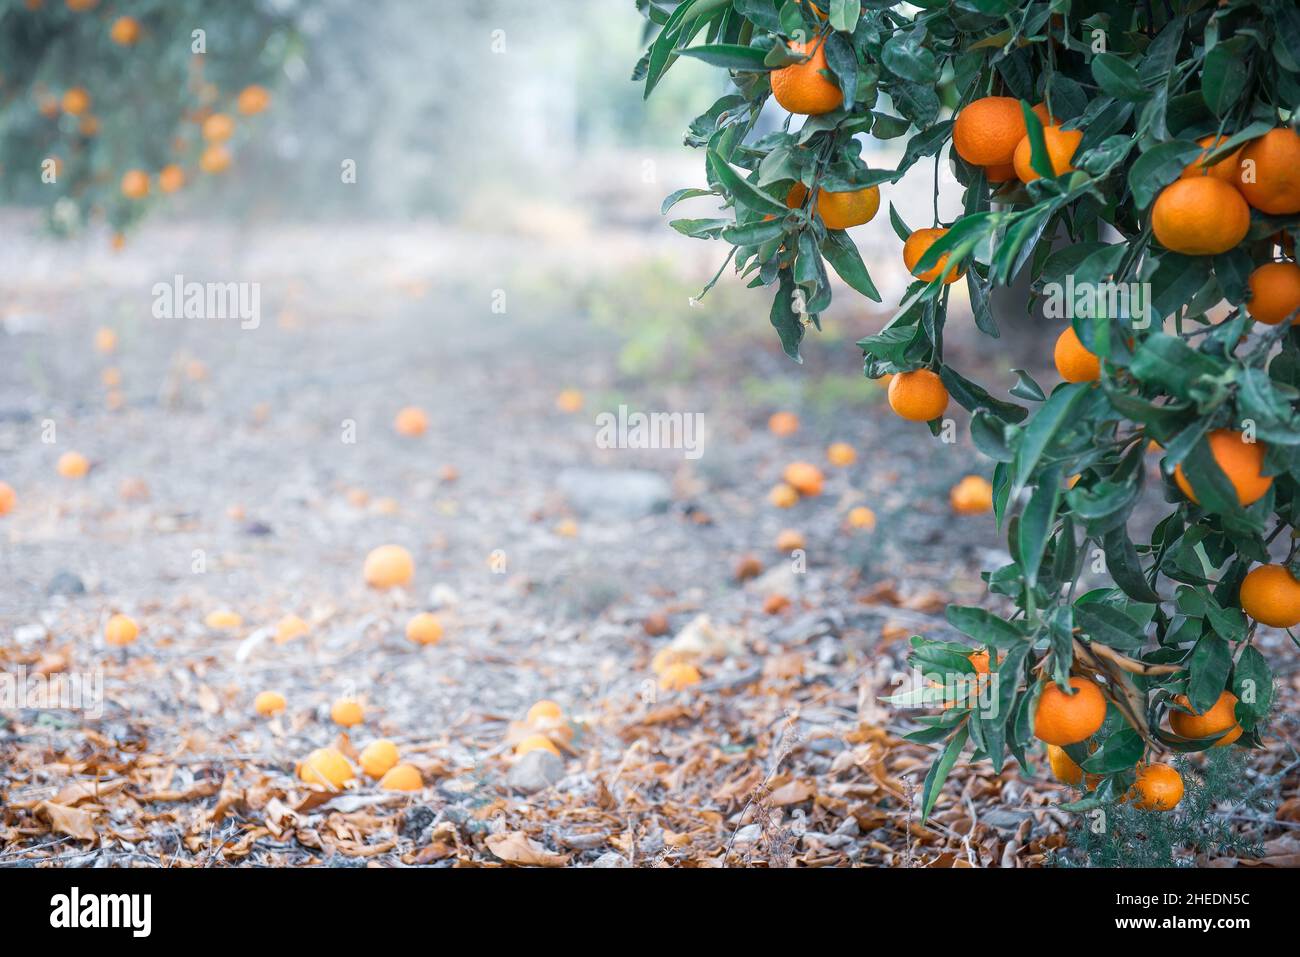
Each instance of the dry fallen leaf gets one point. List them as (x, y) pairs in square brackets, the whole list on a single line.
[(69, 820), (516, 847)]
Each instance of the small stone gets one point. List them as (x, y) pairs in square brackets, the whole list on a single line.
[(416, 819), (618, 493), (65, 583), (611, 859), (749, 834), (535, 771)]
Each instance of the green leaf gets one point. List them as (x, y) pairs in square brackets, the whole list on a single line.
[(743, 191), (785, 319), (984, 626), (1119, 752), (1158, 167), (844, 14), (1036, 523), (1226, 73), (1208, 669), (844, 258), (730, 56), (1118, 78), (672, 199), (1108, 625), (1041, 429), (938, 772)]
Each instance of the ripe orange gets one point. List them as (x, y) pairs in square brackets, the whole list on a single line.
[(1073, 360), (268, 703), (223, 620), (804, 477), (1061, 147), (789, 540), (88, 126), (1274, 161), (655, 624), (1225, 169), (424, 629), (1241, 461), (347, 712), (1274, 293), (1271, 596), (973, 495), (988, 130), (536, 742), (1202, 216), (544, 710), (290, 627), (862, 517), (218, 128), (848, 209), (76, 6), (1158, 788), (775, 604), (105, 340), (783, 423), (841, 454), (121, 630), (7, 498), (326, 766), (378, 758), (783, 496), (72, 465), (1063, 718), (253, 99), (411, 421), (1001, 173), (569, 400), (1218, 719), (171, 178), (215, 159), (679, 676), (388, 566), (803, 87), (915, 247), (403, 777), (125, 31), (918, 396), (748, 567), (76, 101)]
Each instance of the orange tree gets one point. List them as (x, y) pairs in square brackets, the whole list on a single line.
[(106, 106), (1157, 137)]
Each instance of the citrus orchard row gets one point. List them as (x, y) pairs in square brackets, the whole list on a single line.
[(1098, 146)]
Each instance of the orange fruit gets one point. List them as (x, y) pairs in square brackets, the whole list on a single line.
[(803, 87), (215, 159), (655, 624), (915, 247), (1001, 173), (1063, 718), (918, 396), (544, 710), (125, 31), (862, 517), (268, 703), (748, 567), (536, 742), (378, 758), (1202, 216), (121, 630), (804, 477), (88, 126), (253, 99), (783, 496), (105, 340), (290, 627), (789, 540), (403, 777), (783, 423), (1063, 767), (347, 712), (171, 178), (1271, 596), (72, 465), (988, 130), (218, 128), (679, 676), (325, 766), (411, 422), (973, 495), (76, 101), (1158, 788), (135, 184), (1225, 169), (569, 401), (424, 629), (77, 6), (7, 498), (223, 620), (848, 209), (1274, 293), (841, 454), (1217, 720), (388, 566), (1073, 360), (1061, 147), (1241, 461), (1274, 159)]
